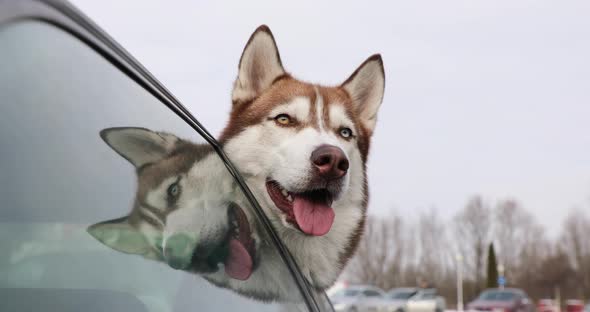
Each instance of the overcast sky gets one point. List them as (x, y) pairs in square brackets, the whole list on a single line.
[(482, 97)]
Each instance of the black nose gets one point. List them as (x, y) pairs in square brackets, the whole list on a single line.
[(330, 162)]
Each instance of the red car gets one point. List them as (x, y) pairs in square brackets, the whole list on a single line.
[(547, 305), (573, 305), (502, 300)]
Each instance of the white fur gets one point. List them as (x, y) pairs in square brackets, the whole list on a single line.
[(338, 118)]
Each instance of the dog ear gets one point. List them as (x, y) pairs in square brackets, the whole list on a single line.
[(366, 87), (260, 65), (119, 235), (139, 146)]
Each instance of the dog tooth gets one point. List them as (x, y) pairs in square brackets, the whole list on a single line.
[(290, 198), (284, 191)]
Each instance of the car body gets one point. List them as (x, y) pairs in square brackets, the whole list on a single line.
[(547, 305), (397, 298), (574, 305), (505, 300), (425, 300), (359, 298), (62, 81), (587, 308)]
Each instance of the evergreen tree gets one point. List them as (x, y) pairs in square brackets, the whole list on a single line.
[(492, 268)]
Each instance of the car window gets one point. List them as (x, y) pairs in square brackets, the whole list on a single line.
[(346, 293), (371, 293), (401, 294), (428, 296), (109, 201), (498, 296)]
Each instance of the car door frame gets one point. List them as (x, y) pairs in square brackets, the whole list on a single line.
[(66, 17)]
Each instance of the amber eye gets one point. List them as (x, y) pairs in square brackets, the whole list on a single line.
[(346, 133), (283, 119)]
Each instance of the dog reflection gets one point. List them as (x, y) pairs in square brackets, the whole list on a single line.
[(186, 211)]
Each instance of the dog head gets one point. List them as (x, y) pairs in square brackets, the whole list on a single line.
[(303, 146), (182, 214)]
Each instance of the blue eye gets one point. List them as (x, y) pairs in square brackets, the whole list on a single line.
[(346, 133), (174, 189)]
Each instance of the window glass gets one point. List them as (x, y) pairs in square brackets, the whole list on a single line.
[(498, 296), (402, 294), (109, 201), (372, 293)]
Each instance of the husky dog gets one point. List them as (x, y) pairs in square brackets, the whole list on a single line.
[(303, 149)]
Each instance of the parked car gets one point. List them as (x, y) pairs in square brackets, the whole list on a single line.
[(502, 300), (359, 298), (63, 80), (398, 297), (547, 305), (574, 305), (425, 300)]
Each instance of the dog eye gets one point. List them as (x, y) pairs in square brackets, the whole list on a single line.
[(283, 119), (346, 133), (174, 189)]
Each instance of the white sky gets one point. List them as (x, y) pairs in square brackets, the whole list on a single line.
[(482, 97)]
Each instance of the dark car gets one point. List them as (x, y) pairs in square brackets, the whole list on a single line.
[(63, 80), (502, 300)]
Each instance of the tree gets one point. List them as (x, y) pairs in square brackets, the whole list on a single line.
[(492, 281), (382, 256), (434, 262), (575, 236), (513, 223), (402, 251), (472, 230)]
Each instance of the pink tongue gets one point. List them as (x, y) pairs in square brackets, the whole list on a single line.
[(238, 264), (313, 217)]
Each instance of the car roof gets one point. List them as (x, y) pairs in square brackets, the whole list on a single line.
[(364, 287), (505, 289), (403, 289)]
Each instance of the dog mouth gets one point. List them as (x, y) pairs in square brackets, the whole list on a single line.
[(239, 263), (309, 211), (236, 251)]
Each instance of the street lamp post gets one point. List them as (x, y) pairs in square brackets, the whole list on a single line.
[(501, 270), (460, 283)]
